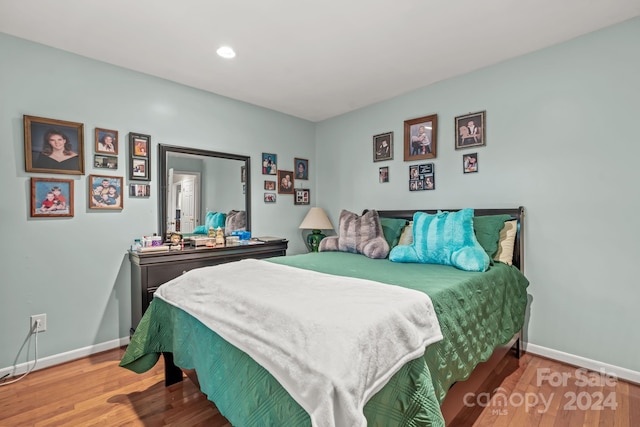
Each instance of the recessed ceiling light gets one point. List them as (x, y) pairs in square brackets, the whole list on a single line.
[(226, 52)]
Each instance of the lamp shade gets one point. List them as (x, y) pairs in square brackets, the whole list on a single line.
[(316, 219)]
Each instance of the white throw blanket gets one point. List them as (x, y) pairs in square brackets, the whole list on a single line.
[(332, 342)]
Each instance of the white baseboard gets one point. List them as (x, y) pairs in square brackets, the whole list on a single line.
[(582, 362), (57, 359)]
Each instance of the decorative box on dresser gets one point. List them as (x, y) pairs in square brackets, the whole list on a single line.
[(151, 269)]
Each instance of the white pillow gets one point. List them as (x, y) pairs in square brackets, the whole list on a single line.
[(506, 242), (406, 238)]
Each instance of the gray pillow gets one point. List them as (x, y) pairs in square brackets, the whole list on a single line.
[(235, 221), (358, 234)]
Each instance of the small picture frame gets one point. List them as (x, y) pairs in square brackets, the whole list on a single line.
[(302, 196), (51, 197), (383, 174), (420, 138), (139, 190), (301, 168), (269, 164), (243, 174), (422, 177), (138, 169), (285, 182), (383, 147), (101, 161), (470, 163), (105, 192), (139, 156), (269, 197), (270, 185), (470, 130), (53, 146), (106, 141)]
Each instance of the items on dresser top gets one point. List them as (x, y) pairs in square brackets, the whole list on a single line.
[(149, 249), (268, 239)]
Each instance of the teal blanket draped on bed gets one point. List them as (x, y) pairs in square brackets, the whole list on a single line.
[(477, 312)]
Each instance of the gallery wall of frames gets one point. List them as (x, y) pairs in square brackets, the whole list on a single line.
[(283, 182), (57, 147), (421, 143)]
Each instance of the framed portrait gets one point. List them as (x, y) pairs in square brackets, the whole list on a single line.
[(269, 197), (270, 185), (105, 162), (139, 156), (269, 164), (51, 197), (285, 182), (302, 168), (470, 163), (139, 169), (420, 138), (139, 144), (422, 177), (383, 147), (470, 130), (302, 196), (106, 141), (105, 192), (53, 146), (139, 190), (383, 174)]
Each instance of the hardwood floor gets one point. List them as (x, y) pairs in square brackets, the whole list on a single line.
[(546, 393), (94, 391)]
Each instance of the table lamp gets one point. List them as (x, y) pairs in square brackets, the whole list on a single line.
[(316, 220)]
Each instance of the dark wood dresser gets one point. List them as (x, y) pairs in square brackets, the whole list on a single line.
[(150, 270)]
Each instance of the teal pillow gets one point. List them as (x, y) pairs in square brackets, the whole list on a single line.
[(208, 220), (200, 229), (211, 219), (392, 229), (219, 219), (444, 238), (487, 229)]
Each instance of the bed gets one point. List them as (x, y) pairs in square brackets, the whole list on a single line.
[(480, 315)]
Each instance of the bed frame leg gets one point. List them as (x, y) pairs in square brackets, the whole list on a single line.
[(518, 346), (172, 374)]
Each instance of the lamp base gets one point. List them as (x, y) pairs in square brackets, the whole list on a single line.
[(313, 240)]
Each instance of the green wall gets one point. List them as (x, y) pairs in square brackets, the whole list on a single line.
[(76, 269), (562, 142)]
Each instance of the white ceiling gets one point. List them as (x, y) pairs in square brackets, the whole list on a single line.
[(310, 59)]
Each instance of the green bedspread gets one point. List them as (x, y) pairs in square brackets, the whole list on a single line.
[(477, 312)]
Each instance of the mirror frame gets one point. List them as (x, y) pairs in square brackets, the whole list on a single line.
[(164, 150)]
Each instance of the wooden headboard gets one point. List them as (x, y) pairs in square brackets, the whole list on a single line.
[(516, 213)]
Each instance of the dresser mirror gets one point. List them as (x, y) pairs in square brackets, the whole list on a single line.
[(194, 182)]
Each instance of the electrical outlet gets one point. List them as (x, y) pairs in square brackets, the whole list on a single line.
[(43, 322)]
